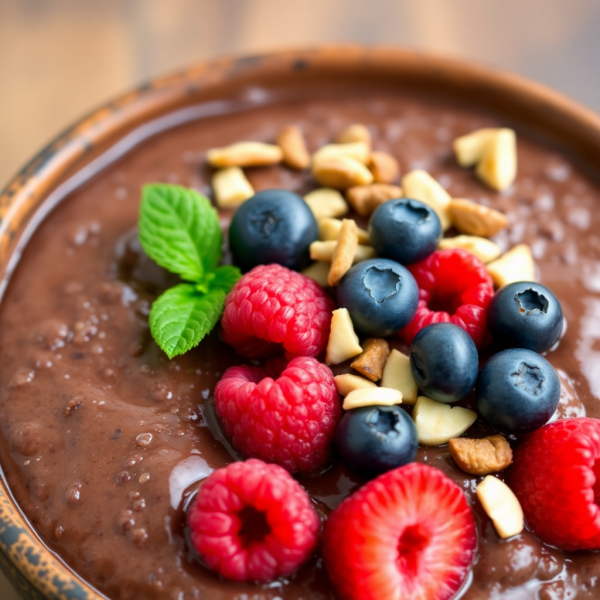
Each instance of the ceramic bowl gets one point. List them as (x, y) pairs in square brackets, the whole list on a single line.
[(34, 570)]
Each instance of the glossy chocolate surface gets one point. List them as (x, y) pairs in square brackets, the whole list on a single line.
[(103, 438)]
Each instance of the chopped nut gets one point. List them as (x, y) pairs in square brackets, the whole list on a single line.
[(358, 151), (419, 185), (483, 456), (245, 154), (372, 360), (485, 250), (501, 506), (324, 251), (291, 142), (397, 374), (364, 199), (498, 165), (437, 423), (475, 219), (469, 149), (376, 396), (341, 172), (354, 133), (231, 187), (347, 383), (516, 265), (345, 250), (326, 202), (384, 166), (343, 342), (329, 229), (318, 272)]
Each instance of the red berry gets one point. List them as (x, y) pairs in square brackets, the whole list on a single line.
[(272, 309), (556, 477), (408, 534), (455, 287), (283, 413), (251, 521)]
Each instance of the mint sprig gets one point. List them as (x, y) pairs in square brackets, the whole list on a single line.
[(179, 229)]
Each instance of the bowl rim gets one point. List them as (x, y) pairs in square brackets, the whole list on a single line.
[(34, 569)]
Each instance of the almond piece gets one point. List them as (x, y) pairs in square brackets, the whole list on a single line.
[(329, 229), (291, 141), (326, 202), (345, 250), (397, 374), (516, 265), (420, 185), (245, 154), (376, 396), (324, 251), (318, 271), (470, 148), (354, 133), (498, 165), (358, 151), (343, 342), (341, 172), (485, 250), (231, 187), (384, 166), (501, 506), (437, 423), (475, 219), (364, 199), (482, 456), (347, 383), (372, 360)]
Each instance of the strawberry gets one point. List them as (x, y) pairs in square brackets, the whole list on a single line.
[(409, 535)]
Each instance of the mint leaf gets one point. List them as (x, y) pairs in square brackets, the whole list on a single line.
[(179, 230), (182, 316), (222, 278)]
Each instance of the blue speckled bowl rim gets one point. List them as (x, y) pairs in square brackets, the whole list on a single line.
[(35, 571)]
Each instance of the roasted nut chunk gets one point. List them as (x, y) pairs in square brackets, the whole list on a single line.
[(245, 154), (291, 142), (384, 167), (372, 360), (483, 456), (343, 255), (364, 199), (475, 219)]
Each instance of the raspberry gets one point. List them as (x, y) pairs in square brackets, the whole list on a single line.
[(286, 414), (252, 522), (556, 477), (408, 534), (272, 309), (455, 287)]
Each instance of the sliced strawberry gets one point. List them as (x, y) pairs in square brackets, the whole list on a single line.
[(407, 535)]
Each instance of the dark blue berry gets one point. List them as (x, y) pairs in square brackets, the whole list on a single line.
[(444, 362), (274, 226), (405, 230), (525, 315), (375, 439), (380, 295), (517, 391)]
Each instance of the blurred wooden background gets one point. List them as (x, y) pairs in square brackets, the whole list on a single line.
[(61, 58)]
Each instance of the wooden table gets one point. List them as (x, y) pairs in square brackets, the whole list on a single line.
[(61, 58)]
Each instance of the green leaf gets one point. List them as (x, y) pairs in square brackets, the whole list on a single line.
[(179, 229), (182, 316), (222, 278)]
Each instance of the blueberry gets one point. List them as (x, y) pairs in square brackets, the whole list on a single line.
[(380, 295), (375, 439), (525, 315), (517, 391), (444, 362), (405, 230), (274, 226)]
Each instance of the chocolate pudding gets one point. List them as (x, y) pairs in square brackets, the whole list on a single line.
[(104, 440)]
